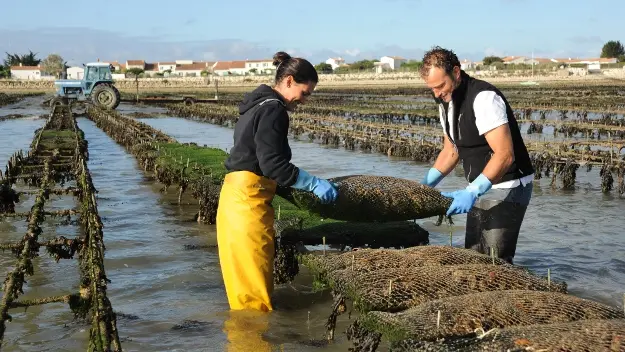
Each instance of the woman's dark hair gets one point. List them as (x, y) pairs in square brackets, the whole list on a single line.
[(301, 69)]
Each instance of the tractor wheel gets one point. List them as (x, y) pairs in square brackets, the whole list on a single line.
[(105, 96)]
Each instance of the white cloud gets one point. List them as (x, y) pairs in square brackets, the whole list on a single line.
[(84, 44), (80, 45), (352, 52)]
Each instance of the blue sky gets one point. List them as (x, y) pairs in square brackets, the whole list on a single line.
[(159, 30)]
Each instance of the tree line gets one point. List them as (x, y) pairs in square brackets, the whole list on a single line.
[(611, 49), (364, 66), (53, 64)]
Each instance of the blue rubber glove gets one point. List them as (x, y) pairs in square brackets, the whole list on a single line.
[(432, 178), (323, 189), (464, 199)]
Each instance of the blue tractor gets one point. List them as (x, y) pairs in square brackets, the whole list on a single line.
[(96, 88)]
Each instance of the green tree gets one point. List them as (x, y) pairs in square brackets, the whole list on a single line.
[(489, 60), (5, 72), (363, 65), (29, 59), (54, 64), (136, 72), (323, 68), (342, 69), (412, 65), (612, 49)]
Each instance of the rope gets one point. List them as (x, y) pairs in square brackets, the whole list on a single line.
[(91, 298)]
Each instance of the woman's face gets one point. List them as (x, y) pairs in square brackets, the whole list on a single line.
[(296, 93)]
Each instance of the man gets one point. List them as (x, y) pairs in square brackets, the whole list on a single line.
[(479, 128)]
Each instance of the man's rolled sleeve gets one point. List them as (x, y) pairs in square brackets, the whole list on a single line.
[(490, 111)]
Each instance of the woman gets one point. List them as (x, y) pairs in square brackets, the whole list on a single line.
[(258, 162)]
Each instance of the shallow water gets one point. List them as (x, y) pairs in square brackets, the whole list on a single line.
[(577, 234), (169, 298)]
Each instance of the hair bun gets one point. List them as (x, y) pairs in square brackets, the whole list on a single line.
[(280, 57)]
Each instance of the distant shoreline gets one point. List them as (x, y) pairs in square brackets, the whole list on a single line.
[(396, 79)]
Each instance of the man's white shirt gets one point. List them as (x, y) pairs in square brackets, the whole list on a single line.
[(490, 113)]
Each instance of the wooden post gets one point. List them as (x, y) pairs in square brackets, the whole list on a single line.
[(438, 319), (549, 277), (610, 141)]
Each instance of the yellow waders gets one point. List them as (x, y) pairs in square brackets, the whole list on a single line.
[(245, 238), (245, 329)]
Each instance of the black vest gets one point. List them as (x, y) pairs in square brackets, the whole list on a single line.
[(473, 149)]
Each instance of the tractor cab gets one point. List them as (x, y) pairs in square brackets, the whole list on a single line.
[(97, 73)]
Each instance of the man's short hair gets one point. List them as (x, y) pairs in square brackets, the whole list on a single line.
[(440, 58)]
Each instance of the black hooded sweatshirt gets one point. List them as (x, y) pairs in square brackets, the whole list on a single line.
[(261, 141)]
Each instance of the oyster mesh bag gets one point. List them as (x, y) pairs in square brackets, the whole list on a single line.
[(394, 280), (474, 314), (289, 233), (369, 260), (373, 199), (583, 335), (395, 289)]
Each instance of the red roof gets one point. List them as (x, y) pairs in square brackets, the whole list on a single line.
[(222, 65), (196, 66), (151, 67), (25, 68), (267, 60), (237, 64)]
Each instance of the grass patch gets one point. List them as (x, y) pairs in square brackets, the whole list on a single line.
[(54, 139), (205, 161), (210, 161)]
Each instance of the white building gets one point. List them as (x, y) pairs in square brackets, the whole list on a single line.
[(260, 66), (135, 64), (335, 62), (75, 72), (26, 72), (184, 62), (467, 64), (380, 67), (225, 68), (394, 62), (164, 66), (194, 69), (591, 61), (150, 70)]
